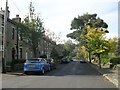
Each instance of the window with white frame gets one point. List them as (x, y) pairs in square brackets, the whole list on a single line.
[(20, 36)]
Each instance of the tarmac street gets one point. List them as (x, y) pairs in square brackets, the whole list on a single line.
[(71, 75)]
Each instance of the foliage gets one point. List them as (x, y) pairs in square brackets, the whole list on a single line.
[(79, 24), (112, 45), (68, 49), (75, 35), (118, 47), (105, 60), (33, 29), (95, 40), (83, 52), (43, 56), (90, 31), (115, 60), (54, 54)]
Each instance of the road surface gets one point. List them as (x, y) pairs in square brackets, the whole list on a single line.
[(71, 75)]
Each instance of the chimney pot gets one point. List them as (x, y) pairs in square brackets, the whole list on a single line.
[(17, 15)]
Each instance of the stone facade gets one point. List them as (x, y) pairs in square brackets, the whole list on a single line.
[(1, 29)]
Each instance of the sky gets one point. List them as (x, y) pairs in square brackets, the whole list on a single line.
[(58, 14)]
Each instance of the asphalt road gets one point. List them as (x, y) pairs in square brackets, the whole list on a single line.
[(72, 75)]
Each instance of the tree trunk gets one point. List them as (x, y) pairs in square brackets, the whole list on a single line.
[(34, 53), (89, 57), (99, 60)]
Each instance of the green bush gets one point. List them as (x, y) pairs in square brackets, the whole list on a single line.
[(43, 56), (104, 60), (115, 60)]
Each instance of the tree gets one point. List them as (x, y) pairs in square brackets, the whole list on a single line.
[(96, 42), (80, 25), (112, 45), (33, 30), (118, 47), (68, 49), (82, 52), (54, 54), (43, 56)]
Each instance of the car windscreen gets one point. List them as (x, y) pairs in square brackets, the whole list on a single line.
[(33, 60)]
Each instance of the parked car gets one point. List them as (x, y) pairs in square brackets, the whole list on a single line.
[(65, 60), (68, 60), (71, 59), (36, 65), (52, 63), (83, 60)]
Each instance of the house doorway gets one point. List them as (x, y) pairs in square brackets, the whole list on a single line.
[(13, 59), (13, 53)]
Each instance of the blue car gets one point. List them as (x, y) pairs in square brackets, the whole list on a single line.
[(36, 65)]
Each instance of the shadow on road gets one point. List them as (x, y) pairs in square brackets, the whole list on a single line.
[(103, 70)]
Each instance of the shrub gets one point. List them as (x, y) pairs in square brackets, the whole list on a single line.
[(115, 60), (43, 56), (104, 60)]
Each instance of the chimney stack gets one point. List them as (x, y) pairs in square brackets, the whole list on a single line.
[(17, 18)]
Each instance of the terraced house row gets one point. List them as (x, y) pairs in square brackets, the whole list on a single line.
[(15, 47)]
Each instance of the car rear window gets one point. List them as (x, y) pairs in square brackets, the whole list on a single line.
[(33, 60)]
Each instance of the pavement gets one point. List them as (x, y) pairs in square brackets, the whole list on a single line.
[(109, 74)]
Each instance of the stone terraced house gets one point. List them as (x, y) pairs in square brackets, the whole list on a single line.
[(15, 47)]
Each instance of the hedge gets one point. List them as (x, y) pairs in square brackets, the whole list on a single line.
[(115, 60)]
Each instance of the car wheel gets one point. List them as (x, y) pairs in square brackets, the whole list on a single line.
[(25, 72), (43, 71), (55, 67)]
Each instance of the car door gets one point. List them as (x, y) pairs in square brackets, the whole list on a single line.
[(46, 65)]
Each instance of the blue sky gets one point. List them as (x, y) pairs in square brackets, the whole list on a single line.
[(58, 14)]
